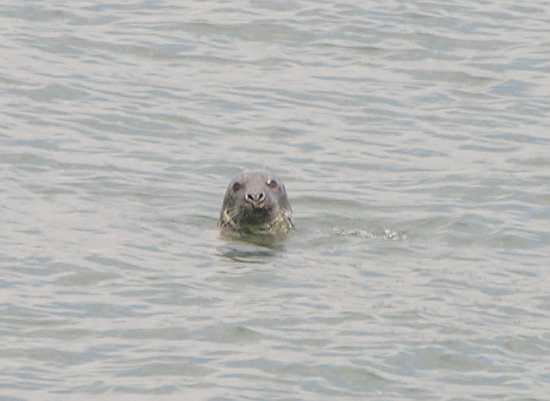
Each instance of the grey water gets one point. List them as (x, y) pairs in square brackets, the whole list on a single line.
[(413, 138)]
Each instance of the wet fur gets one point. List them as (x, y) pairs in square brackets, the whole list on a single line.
[(239, 217)]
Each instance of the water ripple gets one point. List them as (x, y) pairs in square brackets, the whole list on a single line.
[(413, 142)]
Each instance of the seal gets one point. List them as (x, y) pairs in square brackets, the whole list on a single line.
[(255, 203)]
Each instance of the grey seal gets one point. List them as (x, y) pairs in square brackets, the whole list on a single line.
[(255, 203)]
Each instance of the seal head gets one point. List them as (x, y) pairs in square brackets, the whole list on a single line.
[(255, 203)]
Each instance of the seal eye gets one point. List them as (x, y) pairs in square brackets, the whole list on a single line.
[(236, 187), (272, 183)]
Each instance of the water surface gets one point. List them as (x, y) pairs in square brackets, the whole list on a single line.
[(413, 141)]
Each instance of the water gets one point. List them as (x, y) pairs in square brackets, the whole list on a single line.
[(412, 138)]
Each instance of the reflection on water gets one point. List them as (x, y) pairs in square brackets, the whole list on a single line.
[(254, 252)]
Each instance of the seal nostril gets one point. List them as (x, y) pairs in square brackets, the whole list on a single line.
[(255, 198)]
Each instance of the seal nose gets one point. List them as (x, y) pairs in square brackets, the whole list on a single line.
[(255, 199)]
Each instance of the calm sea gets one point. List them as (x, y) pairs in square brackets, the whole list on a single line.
[(413, 138)]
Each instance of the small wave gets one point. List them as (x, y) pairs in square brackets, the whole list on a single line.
[(386, 234)]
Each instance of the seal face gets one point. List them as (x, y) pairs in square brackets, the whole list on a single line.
[(255, 203)]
